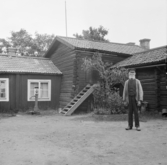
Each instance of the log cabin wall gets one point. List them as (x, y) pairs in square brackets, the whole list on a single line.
[(64, 59), (162, 88), (148, 80), (152, 81)]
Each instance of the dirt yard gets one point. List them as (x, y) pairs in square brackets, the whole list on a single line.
[(80, 140)]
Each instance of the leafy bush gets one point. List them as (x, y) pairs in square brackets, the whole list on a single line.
[(106, 98)]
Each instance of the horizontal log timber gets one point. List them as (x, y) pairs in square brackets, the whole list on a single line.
[(63, 50), (141, 77), (64, 63), (150, 97), (163, 102), (163, 88), (65, 99), (163, 98), (163, 83), (152, 106), (60, 61), (66, 90), (67, 68), (163, 92), (67, 82), (150, 92), (65, 94), (149, 88), (149, 84), (65, 59), (150, 100), (67, 79), (143, 81), (67, 73)]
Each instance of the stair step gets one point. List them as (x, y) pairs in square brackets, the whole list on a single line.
[(65, 109), (69, 106), (76, 101), (63, 112)]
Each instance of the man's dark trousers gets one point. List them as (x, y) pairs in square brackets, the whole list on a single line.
[(133, 109)]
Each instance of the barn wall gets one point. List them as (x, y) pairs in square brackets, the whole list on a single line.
[(64, 58), (18, 93)]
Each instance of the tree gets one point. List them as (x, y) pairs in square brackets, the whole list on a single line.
[(28, 45), (106, 98), (42, 42), (23, 41), (96, 34), (3, 44)]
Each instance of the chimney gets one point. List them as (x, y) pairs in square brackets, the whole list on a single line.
[(145, 43), (11, 51)]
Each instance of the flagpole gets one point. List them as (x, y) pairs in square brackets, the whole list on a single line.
[(66, 18)]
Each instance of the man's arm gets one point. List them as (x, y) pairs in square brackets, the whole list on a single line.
[(125, 91), (140, 91)]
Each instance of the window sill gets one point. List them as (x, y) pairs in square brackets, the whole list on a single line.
[(44, 99)]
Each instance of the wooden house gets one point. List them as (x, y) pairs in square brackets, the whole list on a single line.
[(150, 70), (18, 78), (68, 53)]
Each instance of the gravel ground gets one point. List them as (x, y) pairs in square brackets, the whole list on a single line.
[(80, 140)]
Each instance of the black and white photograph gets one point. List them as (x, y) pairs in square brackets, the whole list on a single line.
[(83, 82)]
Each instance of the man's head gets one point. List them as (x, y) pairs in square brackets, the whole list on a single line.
[(132, 73)]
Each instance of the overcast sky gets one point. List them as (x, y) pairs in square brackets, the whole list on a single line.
[(126, 20)]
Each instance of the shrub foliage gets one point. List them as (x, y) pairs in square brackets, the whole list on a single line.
[(107, 99)]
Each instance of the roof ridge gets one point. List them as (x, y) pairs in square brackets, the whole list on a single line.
[(99, 41), (151, 49), (27, 57)]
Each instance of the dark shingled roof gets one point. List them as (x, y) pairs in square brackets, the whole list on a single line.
[(97, 45), (20, 64), (148, 57)]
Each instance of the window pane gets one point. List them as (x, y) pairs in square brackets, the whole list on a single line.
[(44, 90), (2, 89), (2, 84), (32, 87)]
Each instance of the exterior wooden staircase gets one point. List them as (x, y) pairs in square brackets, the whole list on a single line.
[(77, 100)]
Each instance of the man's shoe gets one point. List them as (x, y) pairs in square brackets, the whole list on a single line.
[(128, 128), (138, 129)]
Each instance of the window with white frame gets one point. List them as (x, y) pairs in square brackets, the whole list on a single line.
[(44, 90), (4, 89)]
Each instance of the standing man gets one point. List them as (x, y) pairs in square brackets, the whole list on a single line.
[(132, 96)]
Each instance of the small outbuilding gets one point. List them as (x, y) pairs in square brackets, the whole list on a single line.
[(19, 75)]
